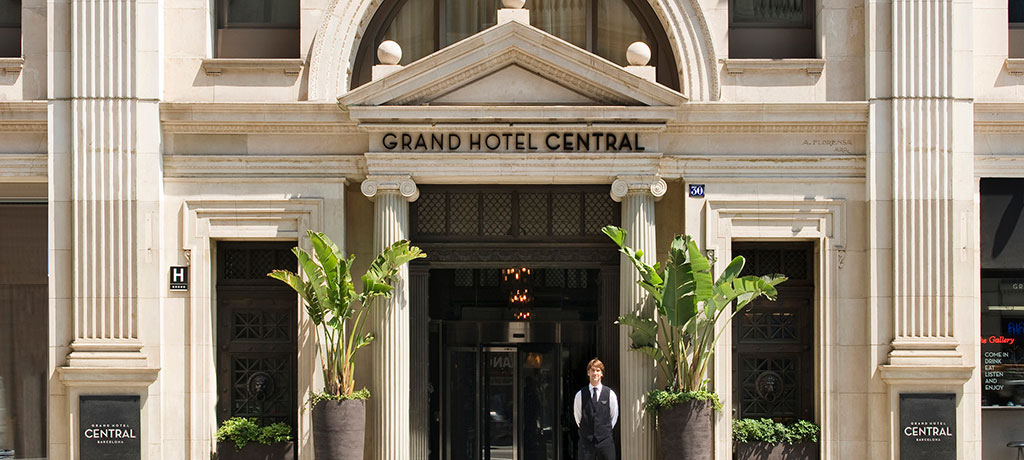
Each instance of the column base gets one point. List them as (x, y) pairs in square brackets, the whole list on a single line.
[(925, 352), (107, 354)]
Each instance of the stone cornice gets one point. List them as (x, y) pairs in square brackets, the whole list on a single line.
[(23, 117), (763, 167), (999, 165), (515, 168), (770, 118), (254, 118), (30, 167), (811, 66), (266, 166), (217, 66), (526, 114)]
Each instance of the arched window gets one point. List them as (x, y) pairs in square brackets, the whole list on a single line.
[(603, 27)]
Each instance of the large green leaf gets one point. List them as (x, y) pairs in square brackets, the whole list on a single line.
[(688, 281), (643, 331)]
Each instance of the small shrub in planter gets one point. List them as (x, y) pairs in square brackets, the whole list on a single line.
[(244, 438), (765, 439)]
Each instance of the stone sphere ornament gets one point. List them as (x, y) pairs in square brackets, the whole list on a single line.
[(513, 4), (389, 52), (638, 53)]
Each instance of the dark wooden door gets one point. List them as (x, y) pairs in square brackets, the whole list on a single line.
[(256, 333), (773, 355)]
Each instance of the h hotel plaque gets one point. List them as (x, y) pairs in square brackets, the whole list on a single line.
[(109, 427), (927, 426)]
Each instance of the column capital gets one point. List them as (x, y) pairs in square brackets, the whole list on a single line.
[(400, 183), (625, 185)]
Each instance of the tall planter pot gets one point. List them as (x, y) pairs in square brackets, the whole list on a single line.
[(764, 451), (686, 431), (256, 451), (339, 429)]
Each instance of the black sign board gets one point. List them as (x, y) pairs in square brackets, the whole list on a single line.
[(109, 427), (179, 278), (696, 190), (927, 426)]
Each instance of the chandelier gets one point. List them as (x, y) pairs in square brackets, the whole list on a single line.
[(519, 283)]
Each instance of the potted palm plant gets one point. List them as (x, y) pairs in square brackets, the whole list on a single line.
[(339, 412), (681, 336)]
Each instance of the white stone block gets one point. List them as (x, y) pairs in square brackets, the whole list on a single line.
[(646, 72), (517, 15), (382, 70)]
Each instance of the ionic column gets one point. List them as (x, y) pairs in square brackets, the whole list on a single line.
[(637, 372), (389, 400), (419, 396)]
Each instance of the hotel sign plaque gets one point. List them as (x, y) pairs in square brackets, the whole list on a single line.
[(109, 427), (927, 426)]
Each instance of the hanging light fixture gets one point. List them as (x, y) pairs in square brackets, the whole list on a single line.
[(519, 283)]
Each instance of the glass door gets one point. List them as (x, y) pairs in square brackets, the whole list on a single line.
[(500, 409), (539, 392)]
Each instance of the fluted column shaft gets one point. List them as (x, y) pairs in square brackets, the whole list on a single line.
[(105, 100), (419, 397), (390, 390), (638, 373), (932, 184)]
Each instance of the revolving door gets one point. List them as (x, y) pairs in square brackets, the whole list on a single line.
[(505, 403)]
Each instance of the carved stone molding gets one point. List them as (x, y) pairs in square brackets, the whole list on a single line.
[(23, 167), (269, 166), (625, 185), (403, 184), (501, 257), (794, 127)]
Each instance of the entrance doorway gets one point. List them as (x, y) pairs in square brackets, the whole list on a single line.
[(518, 293), (512, 401)]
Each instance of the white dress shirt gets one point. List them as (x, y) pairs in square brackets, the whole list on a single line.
[(613, 403)]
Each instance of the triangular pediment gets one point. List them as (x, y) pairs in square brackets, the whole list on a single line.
[(512, 64)]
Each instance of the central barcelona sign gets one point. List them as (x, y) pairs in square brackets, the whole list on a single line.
[(109, 427), (589, 141), (927, 426)]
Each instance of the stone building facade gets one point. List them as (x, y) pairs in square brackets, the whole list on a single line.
[(846, 143)]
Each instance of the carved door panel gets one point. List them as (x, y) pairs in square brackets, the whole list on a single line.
[(256, 333), (773, 355)]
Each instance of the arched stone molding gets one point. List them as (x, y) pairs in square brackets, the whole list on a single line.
[(822, 221), (339, 36)]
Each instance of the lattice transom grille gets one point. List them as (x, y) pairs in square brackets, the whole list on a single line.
[(255, 263), (529, 214)]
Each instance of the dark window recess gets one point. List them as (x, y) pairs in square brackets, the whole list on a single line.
[(771, 29), (10, 28), (528, 214), (603, 27), (1002, 292), (256, 333), (1016, 32), (773, 356), (257, 29)]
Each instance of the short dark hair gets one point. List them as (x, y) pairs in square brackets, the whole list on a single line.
[(596, 364)]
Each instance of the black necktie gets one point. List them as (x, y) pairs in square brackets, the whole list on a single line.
[(595, 393)]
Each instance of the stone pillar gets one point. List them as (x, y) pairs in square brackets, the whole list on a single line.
[(105, 118), (922, 256), (389, 399), (419, 365), (637, 373)]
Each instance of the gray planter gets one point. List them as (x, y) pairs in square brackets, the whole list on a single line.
[(764, 451), (339, 430), (256, 451), (686, 431)]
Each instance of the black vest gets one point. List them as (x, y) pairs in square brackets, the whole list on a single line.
[(596, 417)]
